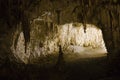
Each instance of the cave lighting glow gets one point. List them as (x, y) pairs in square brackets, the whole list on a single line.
[(70, 36)]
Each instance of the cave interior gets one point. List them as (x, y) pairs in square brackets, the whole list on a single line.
[(59, 39)]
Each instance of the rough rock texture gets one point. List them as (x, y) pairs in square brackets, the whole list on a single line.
[(69, 36), (18, 14)]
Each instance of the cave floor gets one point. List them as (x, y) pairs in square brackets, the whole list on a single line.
[(72, 67)]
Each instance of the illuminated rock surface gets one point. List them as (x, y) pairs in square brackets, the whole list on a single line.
[(70, 36), (45, 38)]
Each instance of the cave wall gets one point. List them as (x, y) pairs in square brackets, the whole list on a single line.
[(71, 37), (105, 14)]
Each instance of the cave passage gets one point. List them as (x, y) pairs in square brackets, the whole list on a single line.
[(78, 44), (59, 39), (72, 38)]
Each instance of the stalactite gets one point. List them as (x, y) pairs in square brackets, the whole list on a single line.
[(26, 29), (111, 26), (119, 23), (58, 16)]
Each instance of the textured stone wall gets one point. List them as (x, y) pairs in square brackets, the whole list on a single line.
[(70, 36), (103, 13)]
